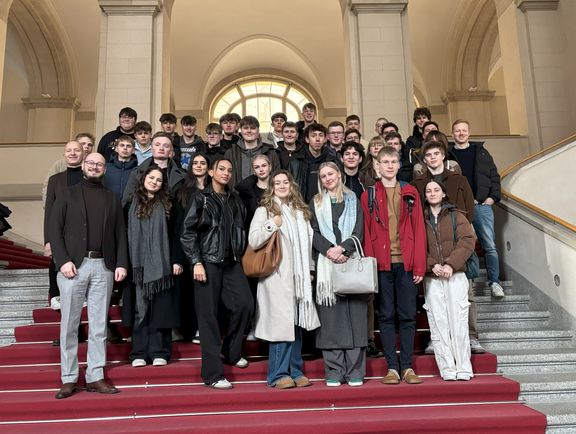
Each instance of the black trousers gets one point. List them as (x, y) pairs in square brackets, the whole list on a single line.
[(149, 343), (53, 290), (225, 282)]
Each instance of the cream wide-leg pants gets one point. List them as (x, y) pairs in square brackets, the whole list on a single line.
[(447, 309)]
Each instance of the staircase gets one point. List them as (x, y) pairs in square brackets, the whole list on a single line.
[(21, 291), (534, 349), (536, 356)]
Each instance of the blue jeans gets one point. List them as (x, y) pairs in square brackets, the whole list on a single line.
[(285, 359), (484, 227), (397, 294)]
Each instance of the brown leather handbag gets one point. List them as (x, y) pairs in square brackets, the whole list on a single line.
[(264, 261)]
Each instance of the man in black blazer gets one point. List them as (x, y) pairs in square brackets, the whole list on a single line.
[(73, 155), (88, 239)]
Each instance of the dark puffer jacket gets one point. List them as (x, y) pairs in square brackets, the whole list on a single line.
[(203, 232), (485, 173), (442, 248)]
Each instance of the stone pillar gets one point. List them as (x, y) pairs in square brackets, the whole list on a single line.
[(508, 15), (134, 60), (380, 62), (473, 105), (50, 119), (543, 50), (4, 10)]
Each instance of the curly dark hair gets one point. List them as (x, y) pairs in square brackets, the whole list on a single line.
[(144, 203)]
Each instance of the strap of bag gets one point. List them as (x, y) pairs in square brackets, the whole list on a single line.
[(358, 245), (371, 193)]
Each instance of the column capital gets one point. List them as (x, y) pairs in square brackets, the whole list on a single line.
[(467, 95), (374, 6), (130, 7), (49, 102), (537, 5)]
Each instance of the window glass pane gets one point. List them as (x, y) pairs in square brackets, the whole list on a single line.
[(297, 97), (278, 88), (263, 87), (231, 96), (237, 108), (275, 105), (262, 98), (220, 109), (292, 113), (248, 88), (252, 107)]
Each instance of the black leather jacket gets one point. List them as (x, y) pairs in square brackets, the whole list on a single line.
[(203, 232)]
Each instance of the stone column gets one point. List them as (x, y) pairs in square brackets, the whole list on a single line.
[(379, 78), (543, 50), (4, 10), (134, 67), (508, 15)]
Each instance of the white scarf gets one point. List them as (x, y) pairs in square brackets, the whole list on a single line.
[(297, 230)]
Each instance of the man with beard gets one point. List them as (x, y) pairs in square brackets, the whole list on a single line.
[(89, 248)]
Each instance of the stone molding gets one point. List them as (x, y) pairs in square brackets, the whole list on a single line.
[(537, 5), (479, 95), (57, 102), (130, 7), (377, 6)]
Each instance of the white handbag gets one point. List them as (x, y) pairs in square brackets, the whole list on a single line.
[(358, 275)]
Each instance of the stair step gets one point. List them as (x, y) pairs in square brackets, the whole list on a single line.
[(23, 284), (23, 298), (508, 300), (537, 361), (495, 339), (546, 387), (513, 315), (561, 416)]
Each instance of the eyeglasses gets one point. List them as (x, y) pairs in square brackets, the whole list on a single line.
[(94, 164)]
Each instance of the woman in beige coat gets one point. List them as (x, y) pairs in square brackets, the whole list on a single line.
[(285, 304)]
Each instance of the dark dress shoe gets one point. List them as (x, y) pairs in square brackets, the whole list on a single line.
[(101, 386), (67, 389)]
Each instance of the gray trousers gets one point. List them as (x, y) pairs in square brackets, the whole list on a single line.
[(93, 283), (472, 326), (345, 365)]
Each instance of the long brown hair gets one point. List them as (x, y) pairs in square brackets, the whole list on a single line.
[(294, 199), (145, 205)]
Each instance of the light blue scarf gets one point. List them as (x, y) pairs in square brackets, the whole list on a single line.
[(324, 285)]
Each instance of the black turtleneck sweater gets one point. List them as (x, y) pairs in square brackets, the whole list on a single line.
[(95, 203), (73, 175)]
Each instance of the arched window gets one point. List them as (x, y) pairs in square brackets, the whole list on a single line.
[(262, 98)]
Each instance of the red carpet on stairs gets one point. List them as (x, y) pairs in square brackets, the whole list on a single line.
[(17, 257), (172, 399)]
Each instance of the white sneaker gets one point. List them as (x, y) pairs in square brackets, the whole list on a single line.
[(138, 363), (429, 348), (196, 338), (475, 347), (497, 290), (85, 304), (159, 362), (242, 363), (221, 384), (55, 303), (251, 337)]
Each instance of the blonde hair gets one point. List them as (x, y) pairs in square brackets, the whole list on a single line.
[(341, 189), (294, 199)]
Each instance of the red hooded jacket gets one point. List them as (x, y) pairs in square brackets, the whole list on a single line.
[(411, 227)]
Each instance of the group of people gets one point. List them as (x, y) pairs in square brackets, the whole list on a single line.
[(169, 217)]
